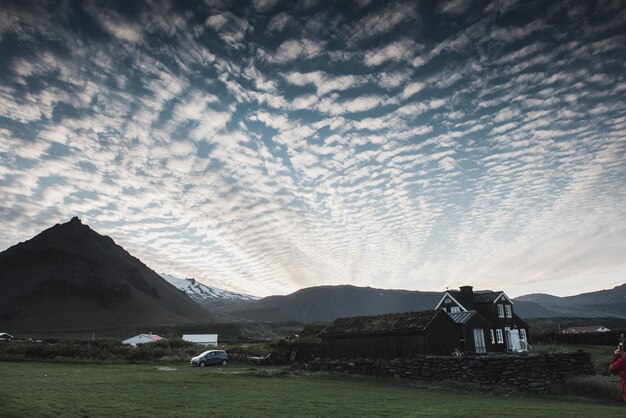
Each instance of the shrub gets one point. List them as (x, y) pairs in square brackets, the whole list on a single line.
[(604, 388)]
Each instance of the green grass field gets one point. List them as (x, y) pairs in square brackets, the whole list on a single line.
[(74, 389)]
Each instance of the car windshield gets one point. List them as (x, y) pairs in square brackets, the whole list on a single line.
[(205, 353)]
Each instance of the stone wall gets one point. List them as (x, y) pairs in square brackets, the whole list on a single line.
[(526, 372)]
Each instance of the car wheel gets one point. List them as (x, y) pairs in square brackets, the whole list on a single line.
[(224, 362), (202, 364)]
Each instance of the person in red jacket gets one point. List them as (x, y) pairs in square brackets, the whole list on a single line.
[(618, 366)]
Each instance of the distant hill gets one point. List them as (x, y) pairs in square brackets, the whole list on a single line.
[(326, 303), (202, 293), (69, 277), (602, 303)]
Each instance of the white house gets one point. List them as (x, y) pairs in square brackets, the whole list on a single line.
[(587, 328), (5, 336), (202, 339), (142, 339)]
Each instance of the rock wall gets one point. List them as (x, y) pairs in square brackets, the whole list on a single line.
[(528, 372)]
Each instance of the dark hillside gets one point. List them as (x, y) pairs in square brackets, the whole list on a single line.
[(69, 277), (326, 303)]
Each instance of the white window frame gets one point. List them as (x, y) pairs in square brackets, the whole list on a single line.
[(447, 301), (522, 334), (493, 338), (508, 311), (455, 309), (499, 336), (500, 310)]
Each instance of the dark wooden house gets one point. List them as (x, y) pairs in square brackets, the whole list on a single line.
[(506, 332), (402, 335)]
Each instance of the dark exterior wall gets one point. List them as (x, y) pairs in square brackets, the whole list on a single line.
[(374, 346), (441, 336)]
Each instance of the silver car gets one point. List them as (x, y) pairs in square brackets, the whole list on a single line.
[(210, 358)]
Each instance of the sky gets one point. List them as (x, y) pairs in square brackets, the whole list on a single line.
[(269, 146)]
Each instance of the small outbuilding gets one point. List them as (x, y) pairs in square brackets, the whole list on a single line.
[(5, 336), (142, 339), (209, 340), (402, 335), (585, 329)]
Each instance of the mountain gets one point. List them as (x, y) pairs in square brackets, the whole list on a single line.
[(326, 303), (203, 294), (69, 277), (601, 303)]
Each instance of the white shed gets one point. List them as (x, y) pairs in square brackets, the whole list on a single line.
[(142, 339), (202, 339)]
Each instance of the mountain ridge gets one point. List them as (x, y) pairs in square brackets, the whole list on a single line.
[(70, 277), (202, 293)]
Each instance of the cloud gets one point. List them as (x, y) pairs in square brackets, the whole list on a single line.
[(323, 82), (117, 26), (280, 22), (231, 28), (377, 23), (294, 49), (322, 147), (411, 89), (402, 50), (454, 7), (264, 5)]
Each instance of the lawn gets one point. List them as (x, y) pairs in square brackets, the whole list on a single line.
[(87, 389)]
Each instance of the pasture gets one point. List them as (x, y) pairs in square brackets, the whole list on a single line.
[(88, 389)]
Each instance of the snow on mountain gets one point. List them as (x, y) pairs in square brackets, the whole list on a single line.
[(200, 292)]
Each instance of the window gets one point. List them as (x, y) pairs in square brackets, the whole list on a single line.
[(522, 334), (448, 301), (500, 311), (507, 308), (499, 336), (455, 309), (493, 338)]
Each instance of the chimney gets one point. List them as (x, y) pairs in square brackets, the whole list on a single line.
[(467, 290)]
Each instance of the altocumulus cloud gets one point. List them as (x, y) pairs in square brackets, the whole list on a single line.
[(272, 145)]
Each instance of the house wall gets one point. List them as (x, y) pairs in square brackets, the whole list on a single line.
[(374, 346), (137, 340), (443, 336)]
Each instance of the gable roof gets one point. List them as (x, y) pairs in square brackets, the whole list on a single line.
[(380, 324), (489, 297), (469, 302), (151, 337), (462, 317)]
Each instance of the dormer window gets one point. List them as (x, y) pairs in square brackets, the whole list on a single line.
[(507, 309), (500, 310)]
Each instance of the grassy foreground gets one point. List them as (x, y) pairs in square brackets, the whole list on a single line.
[(60, 389)]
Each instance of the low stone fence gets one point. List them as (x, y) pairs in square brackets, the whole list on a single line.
[(526, 372)]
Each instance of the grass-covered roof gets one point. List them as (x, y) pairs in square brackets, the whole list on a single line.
[(389, 323)]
